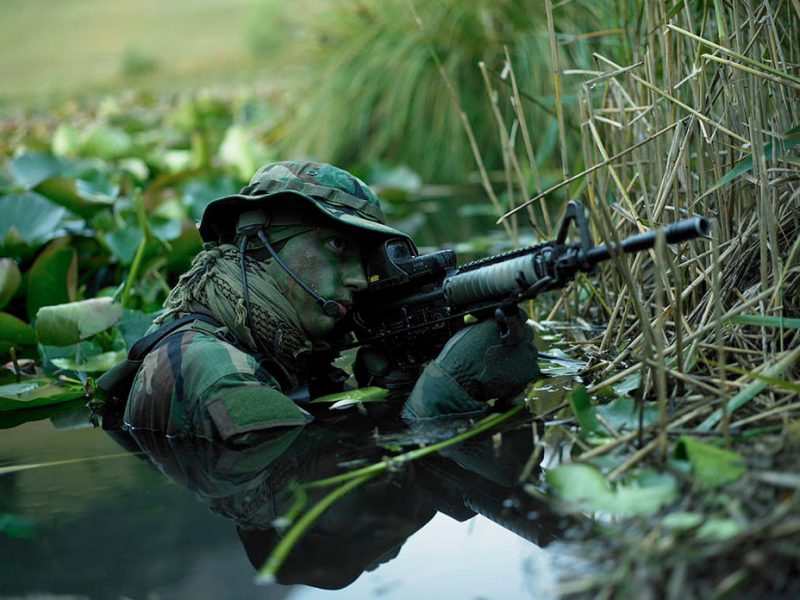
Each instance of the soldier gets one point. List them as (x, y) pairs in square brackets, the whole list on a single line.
[(249, 331)]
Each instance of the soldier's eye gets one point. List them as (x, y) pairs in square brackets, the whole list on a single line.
[(338, 245)]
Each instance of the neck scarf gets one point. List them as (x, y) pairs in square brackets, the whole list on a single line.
[(213, 285)]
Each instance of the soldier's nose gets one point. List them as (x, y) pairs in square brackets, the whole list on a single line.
[(356, 280)]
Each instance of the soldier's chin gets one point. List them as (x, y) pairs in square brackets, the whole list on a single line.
[(320, 326)]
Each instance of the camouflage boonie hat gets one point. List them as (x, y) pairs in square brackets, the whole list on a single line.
[(335, 192)]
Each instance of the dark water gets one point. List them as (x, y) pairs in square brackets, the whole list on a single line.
[(112, 524)]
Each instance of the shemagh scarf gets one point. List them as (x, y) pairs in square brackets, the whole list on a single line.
[(213, 285)]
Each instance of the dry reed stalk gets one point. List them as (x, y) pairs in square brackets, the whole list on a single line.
[(557, 86)]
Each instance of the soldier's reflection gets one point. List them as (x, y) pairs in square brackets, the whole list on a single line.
[(256, 487)]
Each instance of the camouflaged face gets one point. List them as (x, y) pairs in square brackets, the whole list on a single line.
[(337, 193)]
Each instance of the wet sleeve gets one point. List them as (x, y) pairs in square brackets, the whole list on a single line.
[(232, 398), (196, 385)]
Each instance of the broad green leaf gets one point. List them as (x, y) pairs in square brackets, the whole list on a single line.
[(66, 140), (351, 397), (10, 278), (584, 411), (30, 169), (65, 324), (586, 488), (106, 142), (198, 194), (29, 219), (79, 196), (33, 393), (647, 497), (52, 279), (629, 384), (712, 466), (134, 324), (99, 363), (623, 414), (14, 332), (718, 530), (124, 243), (681, 521), (243, 151), (581, 484)]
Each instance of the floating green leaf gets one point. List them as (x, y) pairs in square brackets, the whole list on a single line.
[(134, 324), (580, 484), (623, 414), (65, 324), (79, 196), (106, 142), (712, 466), (29, 219), (53, 278), (124, 243), (99, 363), (10, 278), (585, 487), (14, 332), (352, 397), (33, 393), (30, 169)]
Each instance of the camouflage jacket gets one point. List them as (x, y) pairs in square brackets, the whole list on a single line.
[(196, 383)]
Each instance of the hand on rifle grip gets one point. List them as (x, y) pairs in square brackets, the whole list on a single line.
[(494, 358), (372, 367)]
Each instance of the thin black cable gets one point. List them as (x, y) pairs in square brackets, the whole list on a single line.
[(245, 291)]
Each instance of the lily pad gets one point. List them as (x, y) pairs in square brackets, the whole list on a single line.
[(65, 324), (712, 466), (99, 363), (30, 169), (81, 197), (33, 393), (29, 219), (53, 278), (10, 278)]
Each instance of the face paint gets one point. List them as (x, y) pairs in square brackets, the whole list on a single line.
[(329, 262)]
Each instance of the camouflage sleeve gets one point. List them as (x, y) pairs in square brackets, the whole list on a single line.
[(196, 385)]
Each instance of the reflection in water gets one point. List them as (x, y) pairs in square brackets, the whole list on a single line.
[(257, 486)]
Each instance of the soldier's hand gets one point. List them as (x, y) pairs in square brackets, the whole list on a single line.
[(491, 359), (372, 367)]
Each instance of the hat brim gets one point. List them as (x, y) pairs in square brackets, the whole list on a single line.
[(221, 215)]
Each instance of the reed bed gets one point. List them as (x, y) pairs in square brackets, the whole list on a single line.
[(701, 120)]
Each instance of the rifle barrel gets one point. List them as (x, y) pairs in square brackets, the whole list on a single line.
[(681, 231)]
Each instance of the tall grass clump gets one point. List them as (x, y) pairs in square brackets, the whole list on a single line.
[(367, 87), (701, 119)]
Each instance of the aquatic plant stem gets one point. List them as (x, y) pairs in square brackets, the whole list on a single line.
[(354, 479), (395, 461), (278, 556)]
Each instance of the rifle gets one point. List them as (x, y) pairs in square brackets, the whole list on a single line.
[(415, 303)]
